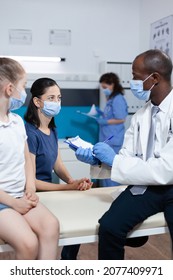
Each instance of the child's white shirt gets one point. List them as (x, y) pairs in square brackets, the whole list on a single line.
[(12, 157)]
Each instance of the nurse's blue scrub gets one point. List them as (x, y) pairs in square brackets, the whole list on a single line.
[(116, 108)]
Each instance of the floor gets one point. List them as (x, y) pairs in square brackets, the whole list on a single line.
[(158, 247)]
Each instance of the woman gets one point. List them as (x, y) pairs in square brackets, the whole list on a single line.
[(45, 103), (111, 121)]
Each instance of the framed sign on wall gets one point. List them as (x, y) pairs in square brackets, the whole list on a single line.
[(161, 35)]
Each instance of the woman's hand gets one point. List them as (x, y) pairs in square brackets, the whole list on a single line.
[(86, 184), (81, 184)]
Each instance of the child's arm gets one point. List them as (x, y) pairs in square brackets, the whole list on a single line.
[(21, 205), (5, 198), (30, 188), (24, 204)]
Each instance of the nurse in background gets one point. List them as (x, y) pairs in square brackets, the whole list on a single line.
[(111, 121), (42, 139)]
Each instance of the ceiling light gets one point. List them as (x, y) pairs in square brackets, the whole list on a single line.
[(35, 58)]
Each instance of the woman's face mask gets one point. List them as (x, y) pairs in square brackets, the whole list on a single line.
[(51, 109), (137, 88), (16, 103), (106, 91)]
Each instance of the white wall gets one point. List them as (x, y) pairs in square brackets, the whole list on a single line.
[(101, 30), (114, 30), (151, 11)]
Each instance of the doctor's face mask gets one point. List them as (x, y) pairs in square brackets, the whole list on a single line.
[(137, 88)]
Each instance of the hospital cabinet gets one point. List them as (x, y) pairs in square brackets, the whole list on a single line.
[(122, 69)]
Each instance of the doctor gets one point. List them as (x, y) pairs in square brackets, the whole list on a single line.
[(150, 178)]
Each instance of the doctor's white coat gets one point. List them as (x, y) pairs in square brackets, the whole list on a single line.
[(130, 166)]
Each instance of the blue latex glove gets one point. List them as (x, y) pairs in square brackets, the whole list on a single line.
[(86, 155), (102, 121), (104, 153), (99, 112)]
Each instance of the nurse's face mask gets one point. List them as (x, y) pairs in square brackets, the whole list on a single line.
[(106, 91), (137, 88)]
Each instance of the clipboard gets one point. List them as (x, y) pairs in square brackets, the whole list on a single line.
[(91, 114), (71, 145), (76, 142), (86, 114)]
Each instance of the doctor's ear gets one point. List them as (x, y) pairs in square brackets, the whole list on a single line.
[(156, 77)]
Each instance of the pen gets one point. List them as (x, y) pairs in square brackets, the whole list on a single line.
[(109, 138)]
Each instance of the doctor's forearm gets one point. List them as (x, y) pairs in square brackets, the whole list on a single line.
[(133, 170)]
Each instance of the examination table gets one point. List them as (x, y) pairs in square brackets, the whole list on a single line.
[(79, 211)]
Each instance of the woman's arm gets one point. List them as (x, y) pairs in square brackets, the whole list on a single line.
[(81, 184), (61, 170), (63, 173)]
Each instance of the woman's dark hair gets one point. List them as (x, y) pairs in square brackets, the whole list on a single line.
[(112, 78), (38, 88)]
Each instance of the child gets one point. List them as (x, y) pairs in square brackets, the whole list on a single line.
[(25, 223)]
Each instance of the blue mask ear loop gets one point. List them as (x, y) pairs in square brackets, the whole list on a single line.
[(147, 79), (151, 87)]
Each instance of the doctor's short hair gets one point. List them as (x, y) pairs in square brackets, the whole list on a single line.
[(158, 61)]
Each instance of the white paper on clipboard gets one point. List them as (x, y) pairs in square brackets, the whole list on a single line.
[(77, 142), (92, 113)]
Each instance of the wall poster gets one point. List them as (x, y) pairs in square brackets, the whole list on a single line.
[(20, 37), (60, 37), (161, 35)]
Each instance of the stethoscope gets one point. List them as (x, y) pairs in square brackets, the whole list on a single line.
[(137, 130), (170, 132), (171, 126), (136, 142)]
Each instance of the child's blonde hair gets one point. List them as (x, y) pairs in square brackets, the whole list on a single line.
[(10, 70)]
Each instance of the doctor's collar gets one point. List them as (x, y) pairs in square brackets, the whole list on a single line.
[(164, 105)]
